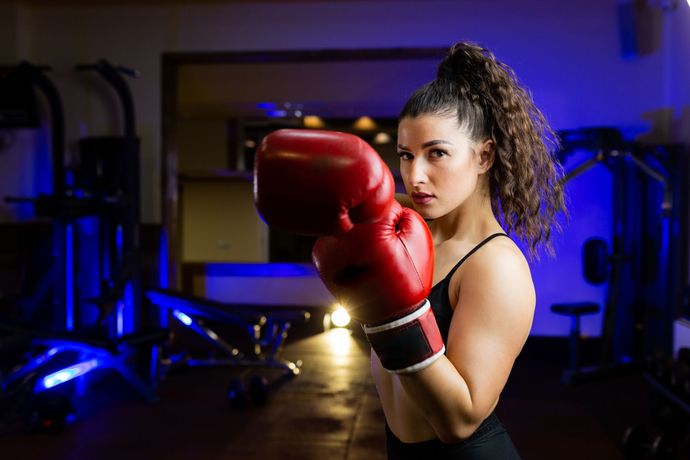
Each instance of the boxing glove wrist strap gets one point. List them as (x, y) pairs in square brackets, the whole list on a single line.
[(407, 344)]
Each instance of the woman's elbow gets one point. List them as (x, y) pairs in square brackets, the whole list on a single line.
[(455, 433)]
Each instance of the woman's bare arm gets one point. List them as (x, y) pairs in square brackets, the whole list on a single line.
[(490, 324)]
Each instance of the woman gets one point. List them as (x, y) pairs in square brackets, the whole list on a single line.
[(477, 163)]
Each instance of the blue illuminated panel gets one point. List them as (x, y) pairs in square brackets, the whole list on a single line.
[(262, 270), (66, 374)]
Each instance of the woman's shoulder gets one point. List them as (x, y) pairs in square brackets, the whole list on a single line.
[(498, 265), (500, 257)]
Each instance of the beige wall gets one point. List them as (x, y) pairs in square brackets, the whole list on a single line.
[(220, 223), (8, 33), (202, 145)]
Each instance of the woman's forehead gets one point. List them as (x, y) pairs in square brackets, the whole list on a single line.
[(428, 127)]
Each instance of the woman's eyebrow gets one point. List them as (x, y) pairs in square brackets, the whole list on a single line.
[(434, 142), (427, 144)]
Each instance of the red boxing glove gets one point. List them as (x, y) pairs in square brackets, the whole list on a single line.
[(320, 182), (383, 273)]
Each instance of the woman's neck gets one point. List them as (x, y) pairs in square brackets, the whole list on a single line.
[(472, 221)]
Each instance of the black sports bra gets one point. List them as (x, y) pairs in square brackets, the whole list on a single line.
[(440, 302)]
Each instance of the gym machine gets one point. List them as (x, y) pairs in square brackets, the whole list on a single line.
[(96, 317), (645, 272)]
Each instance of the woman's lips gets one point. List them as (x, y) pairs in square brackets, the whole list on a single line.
[(421, 198)]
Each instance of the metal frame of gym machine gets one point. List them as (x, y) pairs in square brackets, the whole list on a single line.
[(63, 352), (649, 198)]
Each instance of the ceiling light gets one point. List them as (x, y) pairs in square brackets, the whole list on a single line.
[(365, 124), (314, 122), (382, 138)]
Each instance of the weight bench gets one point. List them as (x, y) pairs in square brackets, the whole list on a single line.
[(266, 327)]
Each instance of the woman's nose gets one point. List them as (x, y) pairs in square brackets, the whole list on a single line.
[(417, 171)]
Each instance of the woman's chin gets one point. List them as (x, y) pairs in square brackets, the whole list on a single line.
[(424, 212)]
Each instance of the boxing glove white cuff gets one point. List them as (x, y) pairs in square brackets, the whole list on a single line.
[(407, 344)]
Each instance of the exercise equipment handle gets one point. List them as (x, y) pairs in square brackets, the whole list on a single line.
[(105, 66)]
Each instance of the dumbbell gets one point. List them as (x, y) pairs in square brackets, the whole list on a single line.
[(239, 397), (237, 394)]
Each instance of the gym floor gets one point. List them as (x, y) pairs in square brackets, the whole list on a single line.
[(330, 411)]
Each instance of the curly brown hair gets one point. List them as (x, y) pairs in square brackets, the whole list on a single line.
[(525, 180)]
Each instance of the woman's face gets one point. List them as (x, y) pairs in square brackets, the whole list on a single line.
[(440, 165)]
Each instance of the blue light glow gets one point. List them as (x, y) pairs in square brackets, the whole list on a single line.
[(163, 281), (665, 244), (120, 320), (272, 270), (276, 113), (119, 239), (69, 277), (59, 377), (266, 105), (184, 319), (47, 355), (128, 310), (67, 374), (87, 244)]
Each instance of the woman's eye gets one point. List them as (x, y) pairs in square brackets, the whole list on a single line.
[(437, 153), (405, 155)]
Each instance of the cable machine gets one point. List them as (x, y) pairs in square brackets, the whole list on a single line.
[(97, 319), (645, 267)]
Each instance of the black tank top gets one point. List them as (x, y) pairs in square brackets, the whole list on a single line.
[(440, 301)]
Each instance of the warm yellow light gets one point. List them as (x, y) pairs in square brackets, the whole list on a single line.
[(312, 121), (382, 138), (365, 124), (340, 317), (340, 341)]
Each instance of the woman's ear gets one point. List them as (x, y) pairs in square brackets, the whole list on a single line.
[(486, 155)]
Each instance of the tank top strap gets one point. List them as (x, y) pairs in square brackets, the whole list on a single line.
[(474, 249)]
